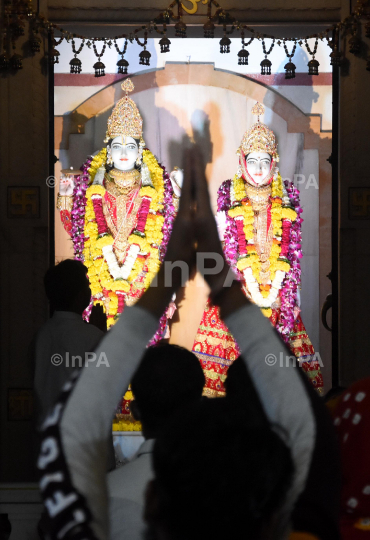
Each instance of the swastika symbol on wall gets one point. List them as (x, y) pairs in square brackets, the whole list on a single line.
[(23, 202), (359, 203)]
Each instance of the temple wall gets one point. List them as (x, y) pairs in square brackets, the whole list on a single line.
[(354, 225), (24, 248)]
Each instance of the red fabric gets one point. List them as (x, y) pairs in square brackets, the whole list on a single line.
[(286, 224), (143, 214), (100, 219), (216, 349), (65, 216), (352, 421)]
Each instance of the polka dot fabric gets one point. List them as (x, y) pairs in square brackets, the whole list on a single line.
[(352, 422)]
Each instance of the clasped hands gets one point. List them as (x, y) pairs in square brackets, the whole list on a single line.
[(194, 234)]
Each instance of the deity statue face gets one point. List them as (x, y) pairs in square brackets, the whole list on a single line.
[(124, 153), (258, 166)]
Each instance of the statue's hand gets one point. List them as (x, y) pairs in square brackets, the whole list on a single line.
[(177, 178), (66, 186)]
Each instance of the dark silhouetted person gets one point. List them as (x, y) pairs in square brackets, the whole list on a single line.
[(217, 475), (63, 342), (168, 378)]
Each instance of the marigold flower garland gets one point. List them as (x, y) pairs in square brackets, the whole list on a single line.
[(242, 252), (148, 241)]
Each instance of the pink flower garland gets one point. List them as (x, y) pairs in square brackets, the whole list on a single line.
[(231, 232), (242, 243), (288, 292), (99, 215), (78, 211), (121, 302), (143, 215)]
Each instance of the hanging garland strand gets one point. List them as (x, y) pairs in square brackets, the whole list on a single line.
[(13, 16)]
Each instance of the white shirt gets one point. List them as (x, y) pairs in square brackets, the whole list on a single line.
[(62, 338), (126, 490)]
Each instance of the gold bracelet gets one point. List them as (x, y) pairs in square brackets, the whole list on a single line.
[(64, 202)]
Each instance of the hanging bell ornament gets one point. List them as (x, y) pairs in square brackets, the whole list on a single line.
[(243, 57), (354, 45), (35, 44), (75, 65), (367, 29), (122, 66), (16, 61), (54, 55), (336, 57), (289, 70), (209, 29), (99, 68), (225, 43), (180, 29), (266, 66), (4, 62), (165, 44), (313, 67), (144, 58), (18, 29)]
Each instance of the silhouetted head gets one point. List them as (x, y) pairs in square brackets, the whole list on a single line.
[(216, 476), (240, 391), (169, 377), (67, 286)]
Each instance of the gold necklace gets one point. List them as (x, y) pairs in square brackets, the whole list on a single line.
[(263, 237), (125, 180), (259, 196)]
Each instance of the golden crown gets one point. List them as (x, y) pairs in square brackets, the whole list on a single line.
[(259, 138), (125, 119)]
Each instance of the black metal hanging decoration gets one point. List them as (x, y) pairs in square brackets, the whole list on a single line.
[(209, 26), (4, 59), (35, 41), (75, 63), (354, 42), (243, 54), (313, 64), (164, 42), (144, 56), (336, 56), (122, 64), (180, 26), (99, 67), (289, 66), (266, 63)]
